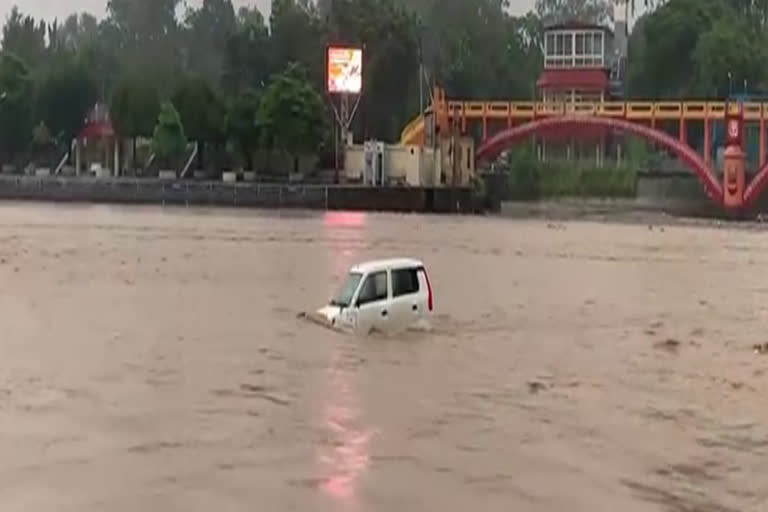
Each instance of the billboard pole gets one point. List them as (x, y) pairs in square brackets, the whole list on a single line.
[(345, 115)]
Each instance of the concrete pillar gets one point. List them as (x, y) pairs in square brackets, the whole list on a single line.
[(707, 142), (618, 154), (78, 156), (683, 131), (105, 154), (762, 141), (116, 142)]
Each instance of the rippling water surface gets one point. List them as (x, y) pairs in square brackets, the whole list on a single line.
[(152, 360)]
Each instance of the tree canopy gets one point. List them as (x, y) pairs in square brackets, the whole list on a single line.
[(292, 113), (220, 66), (168, 139)]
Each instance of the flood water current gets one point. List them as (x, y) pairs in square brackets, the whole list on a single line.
[(152, 360)]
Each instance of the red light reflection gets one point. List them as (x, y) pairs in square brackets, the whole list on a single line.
[(345, 219), (350, 457)]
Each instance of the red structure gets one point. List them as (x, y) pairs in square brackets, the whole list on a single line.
[(579, 100), (500, 125), (577, 59), (98, 141), (491, 147)]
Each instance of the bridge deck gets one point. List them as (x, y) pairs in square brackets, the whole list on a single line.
[(671, 110)]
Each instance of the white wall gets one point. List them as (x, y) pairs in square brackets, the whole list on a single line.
[(402, 164)]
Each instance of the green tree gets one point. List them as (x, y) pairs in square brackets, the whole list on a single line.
[(202, 112), (168, 140), (134, 108), (149, 39), (687, 48), (247, 58), (295, 30), (78, 31), (16, 104), (476, 49), (729, 47), (292, 114), (585, 11), (101, 56), (25, 38), (243, 125), (63, 97), (250, 16), (209, 28)]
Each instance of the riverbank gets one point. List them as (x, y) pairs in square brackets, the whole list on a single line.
[(595, 208), (629, 211), (251, 195)]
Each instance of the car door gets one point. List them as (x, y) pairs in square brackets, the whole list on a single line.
[(373, 303), (406, 304)]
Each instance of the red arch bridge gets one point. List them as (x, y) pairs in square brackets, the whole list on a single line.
[(505, 139), (505, 124)]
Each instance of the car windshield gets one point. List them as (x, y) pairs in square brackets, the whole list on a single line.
[(344, 297)]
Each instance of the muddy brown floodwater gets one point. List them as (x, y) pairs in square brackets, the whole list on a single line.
[(151, 360)]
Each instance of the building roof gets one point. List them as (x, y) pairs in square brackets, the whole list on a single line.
[(574, 78), (97, 129), (97, 123), (577, 25)]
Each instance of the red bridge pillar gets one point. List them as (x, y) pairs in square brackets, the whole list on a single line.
[(733, 164)]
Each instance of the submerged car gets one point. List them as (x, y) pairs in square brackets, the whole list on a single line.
[(384, 295)]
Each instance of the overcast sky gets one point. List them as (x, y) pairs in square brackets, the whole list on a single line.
[(60, 9)]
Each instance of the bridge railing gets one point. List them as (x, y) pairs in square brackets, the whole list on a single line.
[(641, 110)]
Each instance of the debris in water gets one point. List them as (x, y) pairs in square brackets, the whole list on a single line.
[(669, 344), (760, 348), (535, 386), (264, 393)]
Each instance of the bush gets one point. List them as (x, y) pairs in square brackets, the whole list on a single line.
[(169, 141), (530, 179)]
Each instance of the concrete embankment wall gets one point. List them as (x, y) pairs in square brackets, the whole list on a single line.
[(679, 193), (672, 193), (214, 193)]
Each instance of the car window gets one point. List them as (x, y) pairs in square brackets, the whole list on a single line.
[(374, 288), (344, 296), (405, 282)]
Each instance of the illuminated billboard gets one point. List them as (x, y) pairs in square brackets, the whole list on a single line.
[(344, 70)]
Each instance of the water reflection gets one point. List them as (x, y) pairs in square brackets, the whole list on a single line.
[(344, 219), (348, 458)]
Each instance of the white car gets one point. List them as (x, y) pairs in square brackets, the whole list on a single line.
[(385, 295)]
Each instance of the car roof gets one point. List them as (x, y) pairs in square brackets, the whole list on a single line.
[(374, 265)]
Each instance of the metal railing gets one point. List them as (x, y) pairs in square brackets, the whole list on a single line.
[(667, 110)]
